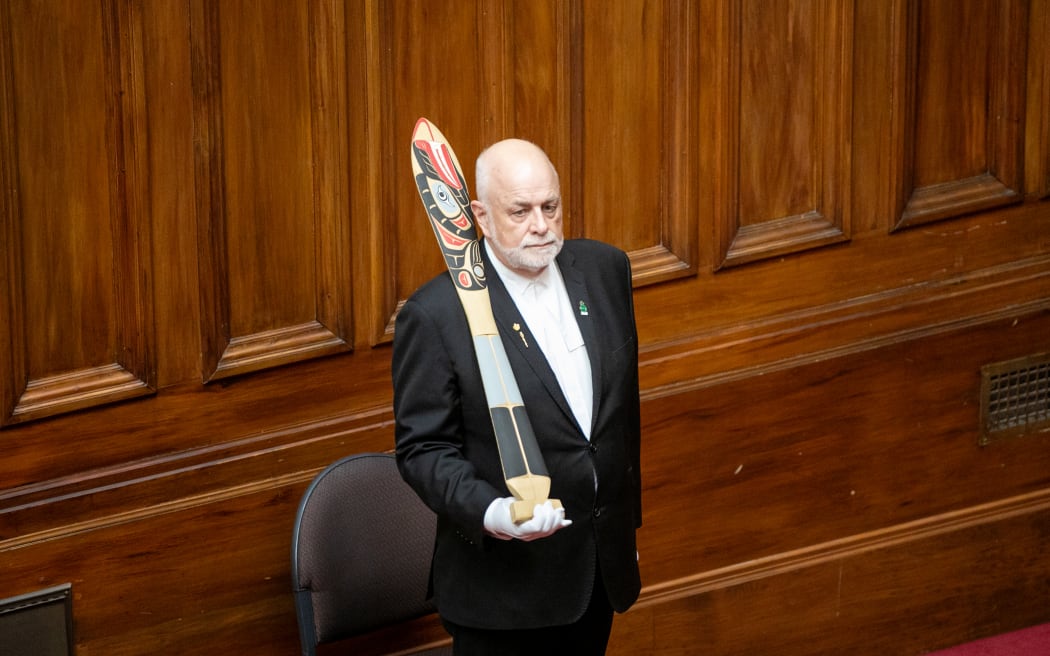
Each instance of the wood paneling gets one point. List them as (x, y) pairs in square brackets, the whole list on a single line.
[(946, 582), (1037, 118), (783, 120), (836, 212), (789, 458), (960, 105), (78, 317), (641, 196), (269, 84), (429, 76)]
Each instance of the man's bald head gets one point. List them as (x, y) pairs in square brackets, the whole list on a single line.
[(506, 160)]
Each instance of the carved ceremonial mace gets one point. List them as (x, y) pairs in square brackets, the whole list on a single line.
[(443, 190)]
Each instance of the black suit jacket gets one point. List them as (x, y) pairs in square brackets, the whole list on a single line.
[(447, 452)]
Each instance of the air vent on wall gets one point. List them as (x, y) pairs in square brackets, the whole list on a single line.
[(1015, 397)]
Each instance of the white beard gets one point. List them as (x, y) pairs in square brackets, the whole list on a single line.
[(525, 256)]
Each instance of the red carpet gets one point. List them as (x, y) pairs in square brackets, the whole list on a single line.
[(1034, 641)]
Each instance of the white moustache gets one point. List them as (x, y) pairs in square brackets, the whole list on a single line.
[(530, 242)]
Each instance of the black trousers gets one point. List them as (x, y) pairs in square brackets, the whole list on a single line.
[(588, 636)]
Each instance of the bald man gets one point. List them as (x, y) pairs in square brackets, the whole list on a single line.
[(566, 317)]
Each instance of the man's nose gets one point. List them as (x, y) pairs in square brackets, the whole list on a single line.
[(538, 221)]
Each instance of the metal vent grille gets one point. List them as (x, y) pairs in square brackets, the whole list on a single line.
[(1015, 397)]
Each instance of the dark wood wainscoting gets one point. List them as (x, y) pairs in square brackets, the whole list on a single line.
[(837, 212)]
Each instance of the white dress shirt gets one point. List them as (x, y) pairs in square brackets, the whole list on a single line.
[(544, 304)]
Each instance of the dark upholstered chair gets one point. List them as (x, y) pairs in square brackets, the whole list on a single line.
[(360, 552)]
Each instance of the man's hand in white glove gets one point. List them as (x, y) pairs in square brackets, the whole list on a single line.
[(546, 519)]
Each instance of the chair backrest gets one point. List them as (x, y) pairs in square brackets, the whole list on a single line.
[(361, 551)]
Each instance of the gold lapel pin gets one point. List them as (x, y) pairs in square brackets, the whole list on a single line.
[(517, 327)]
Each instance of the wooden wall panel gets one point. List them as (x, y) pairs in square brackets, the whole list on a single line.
[(270, 133), (788, 458), (537, 80), (945, 583), (78, 320), (783, 127), (231, 192), (168, 82), (628, 186), (1037, 117), (960, 106), (429, 76)]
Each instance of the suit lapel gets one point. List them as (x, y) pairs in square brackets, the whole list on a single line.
[(516, 335), (580, 300)]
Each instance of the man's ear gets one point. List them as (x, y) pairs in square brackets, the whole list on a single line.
[(481, 218)]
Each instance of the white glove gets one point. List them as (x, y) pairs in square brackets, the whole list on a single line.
[(546, 519)]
